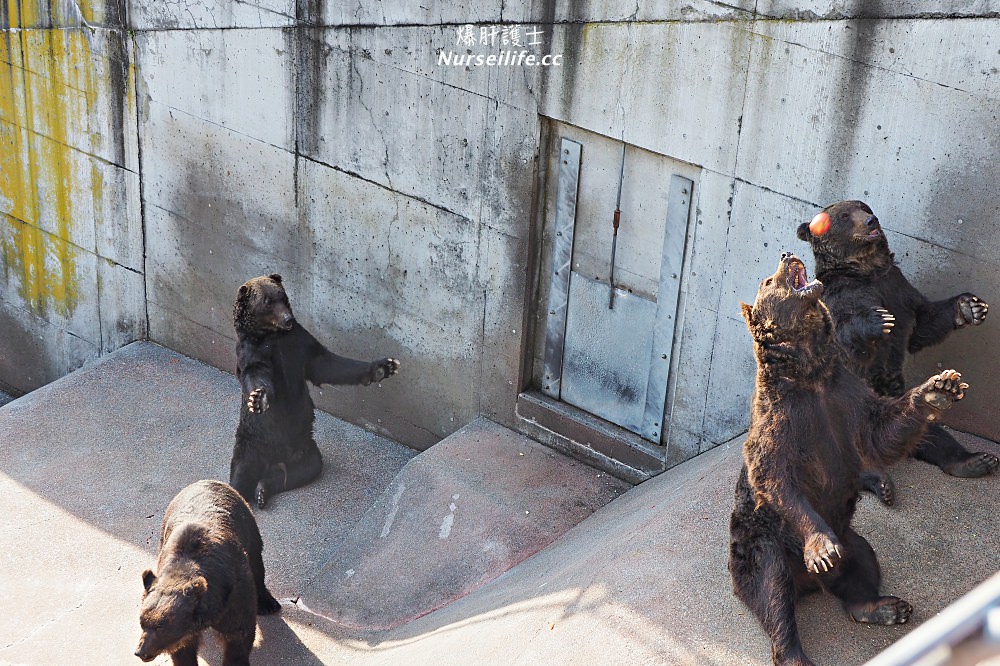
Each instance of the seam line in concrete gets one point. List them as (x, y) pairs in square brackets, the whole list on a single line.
[(143, 227), (310, 159), (729, 225), (69, 243), (77, 149), (46, 323), (874, 66)]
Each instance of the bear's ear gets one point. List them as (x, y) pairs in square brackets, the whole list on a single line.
[(747, 312), (275, 277), (244, 290), (148, 578), (803, 232), (196, 588)]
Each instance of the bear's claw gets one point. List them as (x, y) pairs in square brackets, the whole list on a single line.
[(257, 401), (821, 553), (885, 321)]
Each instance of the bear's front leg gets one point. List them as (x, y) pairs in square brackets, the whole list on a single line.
[(969, 309), (257, 382)]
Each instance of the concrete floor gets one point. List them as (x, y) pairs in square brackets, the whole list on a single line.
[(88, 464)]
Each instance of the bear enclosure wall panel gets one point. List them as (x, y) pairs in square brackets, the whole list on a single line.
[(324, 141)]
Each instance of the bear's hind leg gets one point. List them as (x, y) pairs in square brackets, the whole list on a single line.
[(855, 581), (303, 467), (939, 448), (244, 472), (764, 582), (266, 603)]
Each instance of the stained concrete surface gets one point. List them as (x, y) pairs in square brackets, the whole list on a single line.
[(87, 467), (455, 517), (90, 461)]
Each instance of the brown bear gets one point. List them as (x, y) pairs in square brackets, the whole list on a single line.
[(275, 356), (209, 574), (880, 317), (812, 424)]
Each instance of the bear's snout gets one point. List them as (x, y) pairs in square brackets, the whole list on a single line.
[(871, 222), (143, 654)]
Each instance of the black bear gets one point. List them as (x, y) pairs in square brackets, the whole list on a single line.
[(209, 574), (812, 424), (880, 317), (275, 356)]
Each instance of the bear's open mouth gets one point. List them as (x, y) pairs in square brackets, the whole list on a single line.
[(798, 279)]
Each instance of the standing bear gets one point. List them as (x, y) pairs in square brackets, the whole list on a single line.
[(275, 356), (813, 424), (880, 317), (209, 574)]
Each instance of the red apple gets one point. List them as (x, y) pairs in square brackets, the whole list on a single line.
[(820, 224)]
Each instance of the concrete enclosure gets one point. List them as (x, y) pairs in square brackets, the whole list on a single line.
[(154, 156)]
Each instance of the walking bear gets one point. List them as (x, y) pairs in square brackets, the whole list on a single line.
[(812, 424), (880, 317), (209, 574), (275, 356)]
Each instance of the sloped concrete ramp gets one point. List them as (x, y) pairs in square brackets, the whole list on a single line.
[(644, 579), (457, 516)]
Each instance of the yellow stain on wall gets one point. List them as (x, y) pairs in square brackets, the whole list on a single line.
[(48, 78)]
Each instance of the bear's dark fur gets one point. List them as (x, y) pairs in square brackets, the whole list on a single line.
[(275, 356), (209, 574), (812, 423), (880, 317)]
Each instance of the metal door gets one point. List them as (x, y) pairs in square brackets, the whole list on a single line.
[(611, 310)]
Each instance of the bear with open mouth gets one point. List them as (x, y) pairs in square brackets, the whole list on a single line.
[(813, 425)]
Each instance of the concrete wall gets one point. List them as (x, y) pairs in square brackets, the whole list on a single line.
[(71, 239), (403, 199)]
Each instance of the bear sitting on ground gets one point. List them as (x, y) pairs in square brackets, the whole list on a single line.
[(880, 317), (275, 356), (209, 574), (812, 423)]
